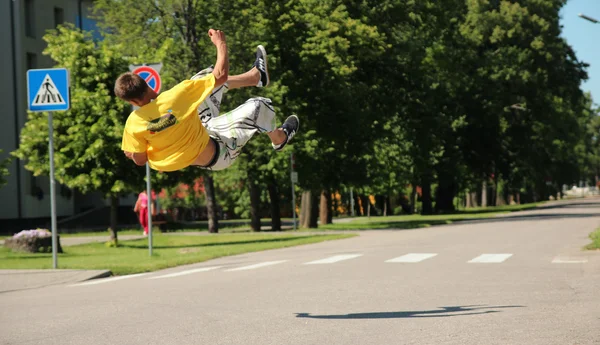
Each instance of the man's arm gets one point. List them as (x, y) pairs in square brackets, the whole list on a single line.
[(221, 69), (139, 158)]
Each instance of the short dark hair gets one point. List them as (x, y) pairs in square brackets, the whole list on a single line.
[(130, 86)]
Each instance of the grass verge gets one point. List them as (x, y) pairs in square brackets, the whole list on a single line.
[(595, 237), (168, 251), (420, 221)]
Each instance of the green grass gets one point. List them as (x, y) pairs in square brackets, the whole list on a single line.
[(505, 208), (168, 251), (225, 226), (595, 237), (420, 221)]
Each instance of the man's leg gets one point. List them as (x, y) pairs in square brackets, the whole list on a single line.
[(257, 76), (231, 131)]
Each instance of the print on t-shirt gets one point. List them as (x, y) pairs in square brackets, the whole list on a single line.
[(162, 123)]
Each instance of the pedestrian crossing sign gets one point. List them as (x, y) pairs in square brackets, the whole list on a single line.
[(48, 89)]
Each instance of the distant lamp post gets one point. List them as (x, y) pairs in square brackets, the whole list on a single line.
[(588, 18)]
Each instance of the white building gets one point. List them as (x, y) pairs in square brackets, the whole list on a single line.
[(23, 23)]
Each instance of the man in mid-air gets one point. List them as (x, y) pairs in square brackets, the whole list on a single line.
[(181, 127)]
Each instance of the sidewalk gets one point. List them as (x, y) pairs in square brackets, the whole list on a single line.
[(15, 280)]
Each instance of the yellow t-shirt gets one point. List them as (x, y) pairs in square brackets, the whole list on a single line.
[(168, 128)]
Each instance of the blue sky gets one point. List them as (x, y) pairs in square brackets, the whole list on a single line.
[(584, 37)]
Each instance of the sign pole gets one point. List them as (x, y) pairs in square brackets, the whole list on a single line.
[(150, 73), (149, 194), (48, 91), (52, 193)]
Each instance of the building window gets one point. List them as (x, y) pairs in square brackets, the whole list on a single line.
[(31, 61), (29, 18), (59, 16)]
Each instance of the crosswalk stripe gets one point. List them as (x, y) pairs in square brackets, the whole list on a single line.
[(262, 264), (183, 273), (108, 280), (490, 258), (568, 261), (334, 259), (413, 257)]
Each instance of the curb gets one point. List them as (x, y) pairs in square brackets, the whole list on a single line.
[(103, 274)]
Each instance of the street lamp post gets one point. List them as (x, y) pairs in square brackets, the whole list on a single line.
[(588, 18)]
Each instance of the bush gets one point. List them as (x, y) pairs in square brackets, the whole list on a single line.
[(32, 241)]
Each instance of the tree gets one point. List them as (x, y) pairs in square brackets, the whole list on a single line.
[(4, 169), (87, 138)]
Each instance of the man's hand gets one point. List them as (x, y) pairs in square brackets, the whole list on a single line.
[(221, 69), (216, 36), (128, 154)]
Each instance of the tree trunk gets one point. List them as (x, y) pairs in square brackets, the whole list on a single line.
[(426, 198), (494, 195), (114, 221), (335, 207), (385, 206), (472, 197), (484, 194), (365, 202), (305, 208), (211, 205), (254, 205), (310, 209), (500, 199), (413, 199), (444, 201), (275, 210), (325, 207), (314, 209)]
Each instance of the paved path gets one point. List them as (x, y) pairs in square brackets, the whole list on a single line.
[(519, 280), (75, 240)]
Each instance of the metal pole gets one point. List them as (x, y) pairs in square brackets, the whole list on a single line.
[(52, 193), (293, 192), (149, 194)]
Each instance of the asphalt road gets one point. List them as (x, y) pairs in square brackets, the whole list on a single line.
[(521, 279)]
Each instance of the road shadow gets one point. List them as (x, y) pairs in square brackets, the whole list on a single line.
[(571, 205), (443, 312), (425, 223), (525, 217)]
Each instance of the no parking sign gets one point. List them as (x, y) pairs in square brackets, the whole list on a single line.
[(149, 72)]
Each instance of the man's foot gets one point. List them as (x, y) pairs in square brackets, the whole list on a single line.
[(261, 65), (289, 127)]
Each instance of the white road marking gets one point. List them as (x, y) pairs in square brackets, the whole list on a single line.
[(490, 258), (108, 280), (251, 267), (334, 259), (413, 257), (568, 261), (183, 273)]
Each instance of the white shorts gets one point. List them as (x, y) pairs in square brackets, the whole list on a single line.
[(232, 130)]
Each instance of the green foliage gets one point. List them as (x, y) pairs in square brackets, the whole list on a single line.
[(390, 93), (87, 137), (595, 237), (4, 169)]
